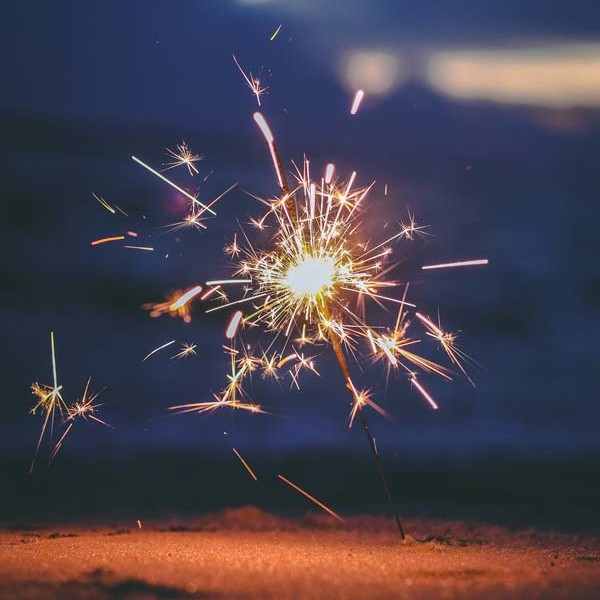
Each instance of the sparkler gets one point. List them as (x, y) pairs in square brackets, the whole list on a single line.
[(312, 283)]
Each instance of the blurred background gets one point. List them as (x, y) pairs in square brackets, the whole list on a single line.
[(483, 120)]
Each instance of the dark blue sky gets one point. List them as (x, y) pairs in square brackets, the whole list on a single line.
[(86, 84)]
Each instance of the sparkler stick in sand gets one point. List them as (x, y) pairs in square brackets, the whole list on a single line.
[(316, 266)]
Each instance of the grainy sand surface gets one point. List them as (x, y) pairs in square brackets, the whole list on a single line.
[(246, 553)]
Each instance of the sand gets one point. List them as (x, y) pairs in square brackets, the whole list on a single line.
[(246, 553)]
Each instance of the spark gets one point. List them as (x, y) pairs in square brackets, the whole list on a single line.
[(173, 185), (104, 203), (186, 350), (276, 32), (114, 238), (183, 156), (228, 281), (410, 229), (52, 405), (246, 465), (185, 298), (157, 350), (264, 127), (85, 409), (233, 249), (218, 402), (210, 292), (252, 82), (358, 98), (462, 263), (329, 172), (177, 304), (447, 341), (49, 402), (424, 392), (234, 323), (311, 498), (147, 248), (268, 135)]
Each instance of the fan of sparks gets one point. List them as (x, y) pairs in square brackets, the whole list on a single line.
[(312, 282)]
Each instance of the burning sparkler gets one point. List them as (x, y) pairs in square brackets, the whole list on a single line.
[(311, 283)]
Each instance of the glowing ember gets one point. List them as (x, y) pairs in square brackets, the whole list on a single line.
[(311, 277)]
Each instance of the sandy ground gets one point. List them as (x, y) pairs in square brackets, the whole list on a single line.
[(246, 553)]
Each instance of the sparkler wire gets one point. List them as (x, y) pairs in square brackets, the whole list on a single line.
[(337, 346), (343, 363)]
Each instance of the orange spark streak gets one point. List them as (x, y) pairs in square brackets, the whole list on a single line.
[(233, 324), (311, 498), (104, 203), (286, 359), (461, 263), (182, 300), (358, 98), (246, 465), (114, 238)]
